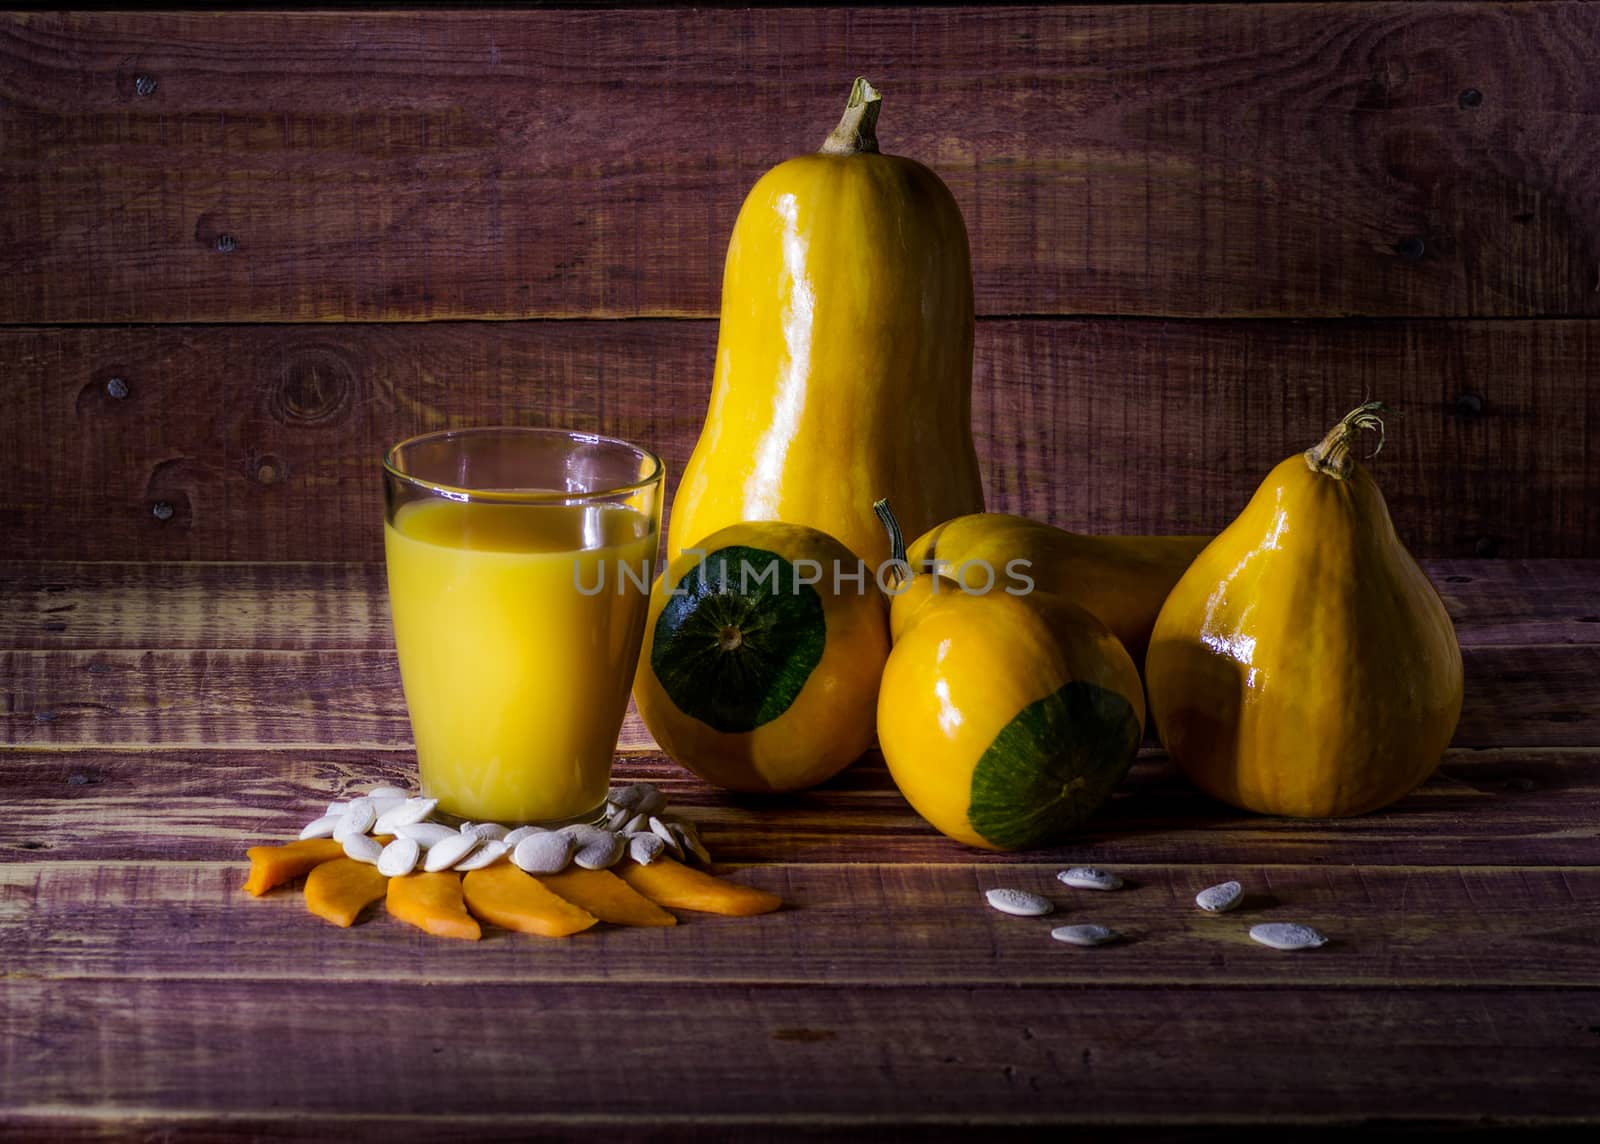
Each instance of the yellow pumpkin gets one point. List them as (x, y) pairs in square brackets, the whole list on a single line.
[(1005, 720), (762, 657), (1120, 580), (1304, 665), (844, 358)]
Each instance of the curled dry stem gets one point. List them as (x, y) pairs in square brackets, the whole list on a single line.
[(1332, 456)]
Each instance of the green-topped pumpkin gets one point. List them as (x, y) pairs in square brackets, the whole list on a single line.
[(762, 656), (1006, 720)]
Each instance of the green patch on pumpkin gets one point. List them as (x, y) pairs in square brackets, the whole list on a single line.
[(1053, 766), (735, 644)]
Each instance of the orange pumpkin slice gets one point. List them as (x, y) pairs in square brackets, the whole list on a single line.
[(607, 897), (433, 903), (513, 900), (274, 865), (672, 884), (338, 891)]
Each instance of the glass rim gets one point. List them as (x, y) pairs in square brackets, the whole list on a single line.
[(523, 496)]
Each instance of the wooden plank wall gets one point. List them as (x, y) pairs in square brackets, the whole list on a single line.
[(241, 253)]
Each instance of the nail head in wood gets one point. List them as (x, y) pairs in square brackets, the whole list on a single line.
[(162, 510), (1469, 405), (225, 244), (117, 387), (144, 84), (1471, 98), (1412, 247)]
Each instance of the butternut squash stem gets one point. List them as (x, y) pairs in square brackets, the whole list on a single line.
[(897, 540), (1331, 455), (857, 132)]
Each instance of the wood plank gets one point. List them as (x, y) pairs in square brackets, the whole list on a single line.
[(791, 1057), (264, 441), (1505, 807), (340, 700), (1195, 160), (866, 925), (77, 606)]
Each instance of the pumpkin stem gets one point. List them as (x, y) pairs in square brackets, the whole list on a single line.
[(1332, 456), (897, 540), (857, 130)]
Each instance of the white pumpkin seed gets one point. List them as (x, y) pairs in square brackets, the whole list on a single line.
[(582, 833), (599, 855), (426, 834), (443, 855), (1221, 898), (520, 833), (1018, 902), (387, 792), (664, 832), (487, 854), (358, 819), (336, 808), (410, 811), (651, 801), (399, 857), (631, 795), (645, 848), (382, 806), (616, 818), (363, 848), (637, 823), (486, 831), (546, 853), (1089, 878), (691, 842), (322, 827), (619, 799), (1287, 935), (1085, 934)]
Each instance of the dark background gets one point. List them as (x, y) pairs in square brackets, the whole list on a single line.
[(239, 256)]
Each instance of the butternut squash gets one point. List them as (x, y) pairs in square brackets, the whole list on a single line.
[(844, 359), (1304, 665), (1120, 580)]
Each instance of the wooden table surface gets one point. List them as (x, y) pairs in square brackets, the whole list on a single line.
[(158, 719)]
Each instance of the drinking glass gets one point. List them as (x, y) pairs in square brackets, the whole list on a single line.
[(519, 564)]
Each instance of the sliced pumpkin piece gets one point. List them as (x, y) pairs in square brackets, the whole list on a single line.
[(274, 865), (338, 891), (433, 903), (607, 897), (669, 883), (513, 900)]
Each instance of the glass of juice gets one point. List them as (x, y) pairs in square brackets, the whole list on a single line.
[(519, 565)]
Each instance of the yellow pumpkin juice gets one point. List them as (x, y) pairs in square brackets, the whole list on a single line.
[(518, 628)]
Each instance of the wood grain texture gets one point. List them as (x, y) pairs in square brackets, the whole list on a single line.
[(264, 441), (338, 700), (867, 925), (800, 1055), (75, 606), (1194, 160), (1506, 807)]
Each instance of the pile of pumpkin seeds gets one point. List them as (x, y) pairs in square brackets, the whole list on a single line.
[(636, 825), (1218, 899)]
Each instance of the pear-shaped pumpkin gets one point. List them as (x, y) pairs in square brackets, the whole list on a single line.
[(1304, 665)]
